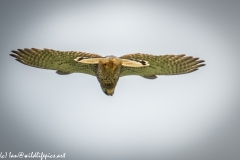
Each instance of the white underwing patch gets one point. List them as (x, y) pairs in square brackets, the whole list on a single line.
[(134, 63), (87, 60)]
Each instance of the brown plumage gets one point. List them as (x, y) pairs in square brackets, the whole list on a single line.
[(108, 69)]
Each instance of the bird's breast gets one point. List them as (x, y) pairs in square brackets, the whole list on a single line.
[(108, 72)]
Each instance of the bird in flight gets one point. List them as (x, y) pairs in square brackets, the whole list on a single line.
[(107, 69)]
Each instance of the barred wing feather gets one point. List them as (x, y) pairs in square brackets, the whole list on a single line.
[(162, 65), (62, 61)]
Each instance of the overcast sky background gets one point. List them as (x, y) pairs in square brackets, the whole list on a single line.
[(193, 116)]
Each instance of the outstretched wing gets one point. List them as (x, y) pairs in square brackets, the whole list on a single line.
[(63, 62), (161, 65)]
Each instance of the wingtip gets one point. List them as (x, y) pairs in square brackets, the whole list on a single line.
[(182, 55), (14, 55), (14, 51), (201, 65), (36, 49), (201, 61), (19, 61), (193, 70), (20, 50)]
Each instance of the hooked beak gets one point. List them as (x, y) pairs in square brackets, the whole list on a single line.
[(108, 92)]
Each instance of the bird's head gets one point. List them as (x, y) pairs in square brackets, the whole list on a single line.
[(108, 91)]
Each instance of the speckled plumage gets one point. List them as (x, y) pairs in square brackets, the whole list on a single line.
[(108, 69)]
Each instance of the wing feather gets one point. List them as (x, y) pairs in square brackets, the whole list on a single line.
[(162, 65), (55, 60)]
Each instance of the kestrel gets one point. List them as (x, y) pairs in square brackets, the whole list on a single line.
[(108, 69)]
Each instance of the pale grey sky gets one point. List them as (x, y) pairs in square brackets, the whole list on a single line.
[(193, 116)]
